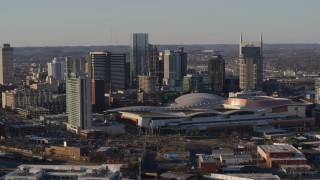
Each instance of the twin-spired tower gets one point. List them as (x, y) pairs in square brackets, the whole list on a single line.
[(251, 64)]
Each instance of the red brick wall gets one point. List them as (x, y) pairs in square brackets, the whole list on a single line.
[(208, 167), (277, 163), (277, 155), (280, 155)]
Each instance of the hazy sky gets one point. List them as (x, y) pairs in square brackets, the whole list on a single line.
[(104, 22)]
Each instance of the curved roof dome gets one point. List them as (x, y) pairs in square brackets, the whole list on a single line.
[(189, 101), (198, 98)]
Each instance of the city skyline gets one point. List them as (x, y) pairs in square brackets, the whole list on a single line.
[(71, 23)]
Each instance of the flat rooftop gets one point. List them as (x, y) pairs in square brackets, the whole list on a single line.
[(104, 170), (244, 176), (281, 149), (207, 158)]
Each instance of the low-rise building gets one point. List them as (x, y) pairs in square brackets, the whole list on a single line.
[(32, 111), (90, 134), (79, 172), (207, 163), (69, 152), (204, 112), (216, 153), (245, 176), (20, 130), (235, 159), (277, 155), (178, 176), (54, 119), (45, 86), (39, 140), (246, 94)]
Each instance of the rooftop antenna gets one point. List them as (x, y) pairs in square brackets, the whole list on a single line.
[(116, 36), (196, 83), (261, 44), (111, 37), (181, 47), (240, 44)]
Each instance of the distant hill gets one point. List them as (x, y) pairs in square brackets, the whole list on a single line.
[(296, 57), (36, 54)]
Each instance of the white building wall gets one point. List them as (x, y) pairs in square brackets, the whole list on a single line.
[(297, 110), (56, 69), (79, 104), (4, 100), (261, 152), (302, 111)]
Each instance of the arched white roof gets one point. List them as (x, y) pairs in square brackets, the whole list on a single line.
[(198, 98), (189, 101)]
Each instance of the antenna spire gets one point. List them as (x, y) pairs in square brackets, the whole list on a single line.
[(240, 37)]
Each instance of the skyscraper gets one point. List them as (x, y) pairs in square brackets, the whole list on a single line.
[(216, 72), (139, 57), (108, 67), (118, 71), (97, 66), (172, 68), (79, 103), (317, 94), (74, 66), (251, 64), (148, 84), (6, 64), (154, 58), (98, 102), (184, 62), (56, 69), (196, 83), (161, 69)]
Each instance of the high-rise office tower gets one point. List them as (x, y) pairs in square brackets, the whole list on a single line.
[(317, 94), (172, 68), (161, 69), (118, 71), (196, 83), (154, 58), (251, 64), (56, 69), (108, 67), (148, 84), (184, 62), (99, 66), (231, 84), (216, 72), (6, 64), (317, 103), (74, 66), (139, 57), (79, 103), (98, 102)]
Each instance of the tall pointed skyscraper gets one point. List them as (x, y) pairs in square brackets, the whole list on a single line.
[(251, 64), (6, 64)]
